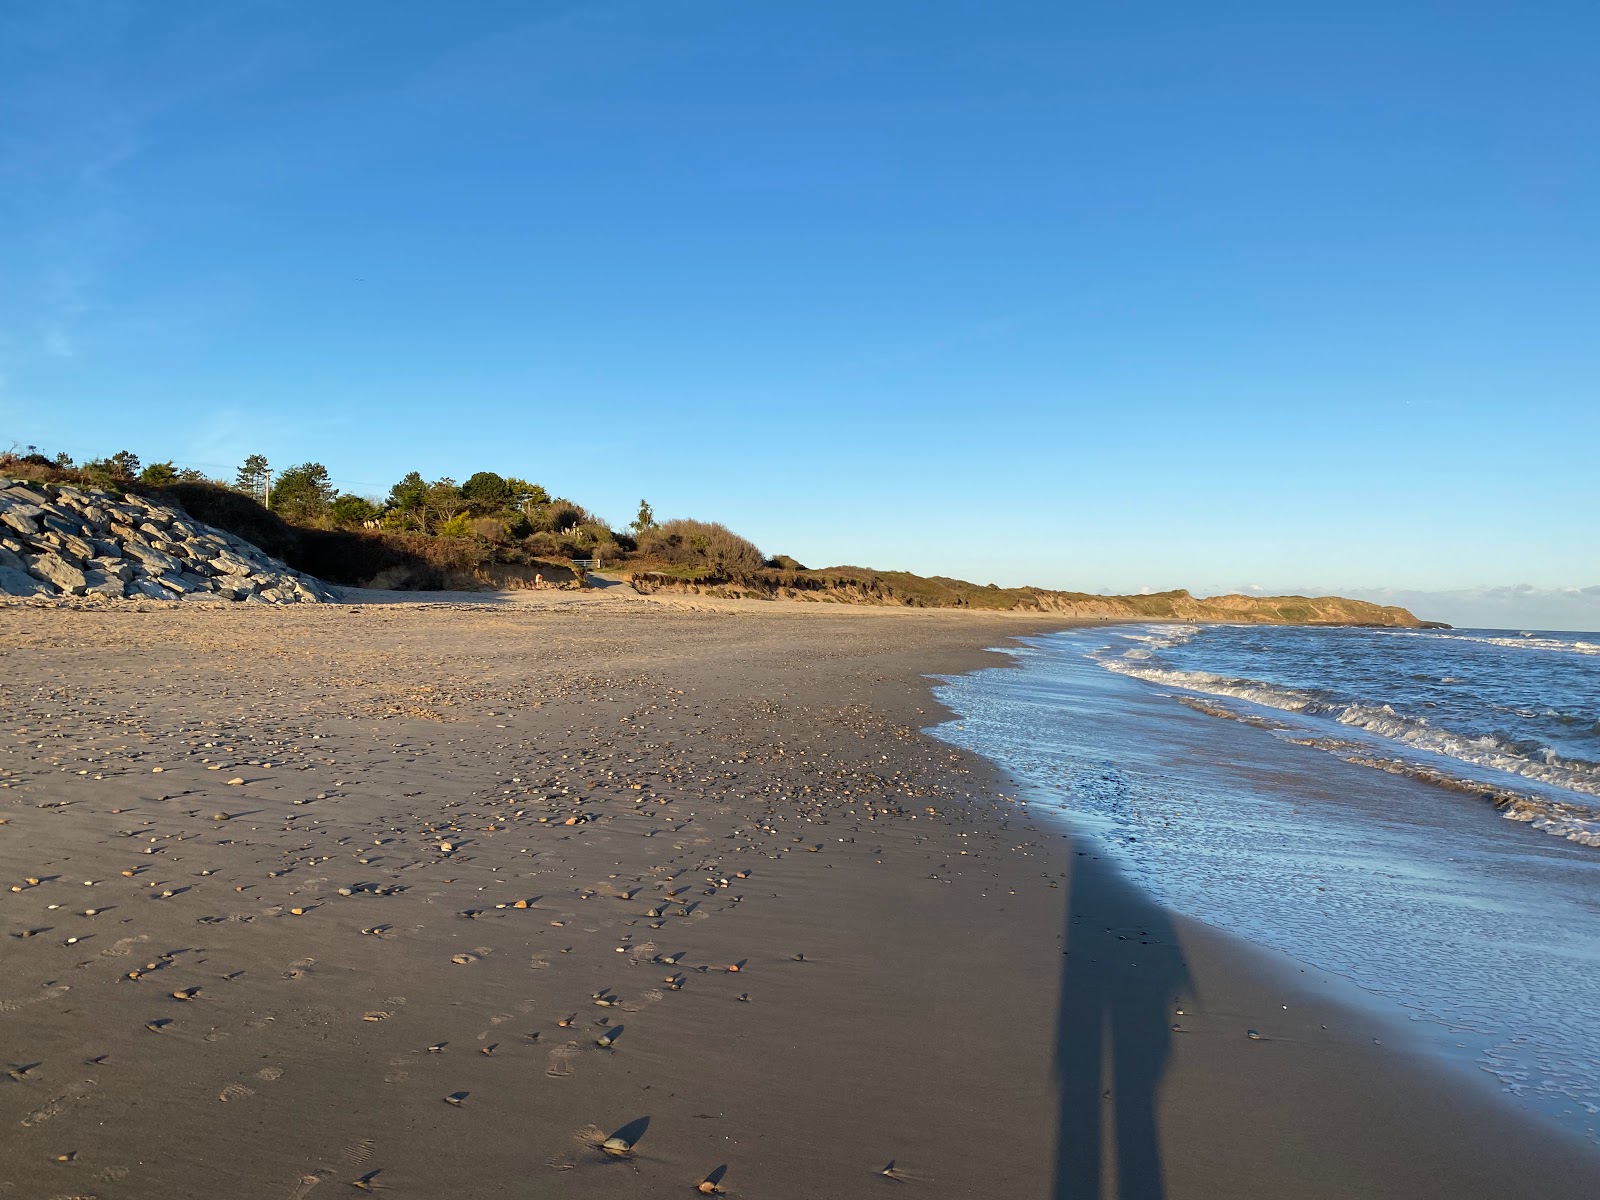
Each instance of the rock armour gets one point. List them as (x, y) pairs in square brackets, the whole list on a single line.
[(64, 542)]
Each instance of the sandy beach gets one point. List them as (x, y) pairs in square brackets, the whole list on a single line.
[(435, 899)]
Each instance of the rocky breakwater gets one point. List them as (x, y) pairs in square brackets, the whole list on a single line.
[(60, 542)]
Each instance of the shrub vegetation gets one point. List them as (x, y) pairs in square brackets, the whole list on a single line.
[(424, 533)]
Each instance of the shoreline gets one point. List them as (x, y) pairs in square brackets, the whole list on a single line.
[(909, 998)]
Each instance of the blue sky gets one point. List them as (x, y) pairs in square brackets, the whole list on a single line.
[(1096, 296)]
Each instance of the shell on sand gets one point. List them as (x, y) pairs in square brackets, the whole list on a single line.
[(616, 1147)]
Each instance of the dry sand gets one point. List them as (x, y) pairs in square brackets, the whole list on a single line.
[(565, 819)]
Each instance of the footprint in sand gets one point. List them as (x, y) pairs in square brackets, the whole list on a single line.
[(58, 1104), (235, 1091), (270, 1074), (359, 1153), (299, 970), (123, 947), (561, 1060)]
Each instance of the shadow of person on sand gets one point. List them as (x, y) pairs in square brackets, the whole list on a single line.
[(1122, 977)]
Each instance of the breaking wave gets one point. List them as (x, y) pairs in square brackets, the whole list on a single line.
[(1526, 642), (1487, 751)]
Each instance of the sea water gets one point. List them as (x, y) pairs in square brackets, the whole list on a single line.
[(1416, 811)]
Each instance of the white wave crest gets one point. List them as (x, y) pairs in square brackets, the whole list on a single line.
[(1287, 699), (1381, 721), (1526, 643), (1558, 818), (1162, 637), (1485, 750)]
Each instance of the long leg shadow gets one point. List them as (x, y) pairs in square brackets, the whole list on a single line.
[(1121, 978)]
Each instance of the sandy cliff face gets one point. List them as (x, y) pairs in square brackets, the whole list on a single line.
[(853, 586)]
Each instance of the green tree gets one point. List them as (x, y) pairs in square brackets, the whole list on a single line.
[(486, 492), (302, 494), (526, 495), (645, 520), (441, 502), (159, 474), (252, 477), (121, 467), (410, 493), (347, 509)]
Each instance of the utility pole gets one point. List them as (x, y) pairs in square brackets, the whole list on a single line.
[(267, 503)]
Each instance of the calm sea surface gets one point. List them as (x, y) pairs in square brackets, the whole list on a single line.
[(1417, 811)]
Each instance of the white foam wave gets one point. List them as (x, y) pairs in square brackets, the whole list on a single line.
[(1288, 699), (1163, 638), (1526, 643), (1563, 819), (1382, 721)]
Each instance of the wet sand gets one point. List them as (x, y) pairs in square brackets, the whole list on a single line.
[(370, 885)]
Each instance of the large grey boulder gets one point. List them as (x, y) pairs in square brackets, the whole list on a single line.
[(17, 582), (24, 518), (70, 546), (229, 563), (59, 572), (153, 559), (107, 586)]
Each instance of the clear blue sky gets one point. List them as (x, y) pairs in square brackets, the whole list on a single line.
[(1108, 296)]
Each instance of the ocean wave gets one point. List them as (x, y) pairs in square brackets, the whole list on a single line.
[(1488, 750), (1267, 694), (1558, 818), (1526, 643), (1171, 636), (1212, 709), (1492, 750)]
